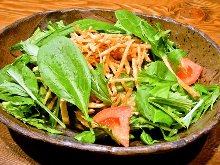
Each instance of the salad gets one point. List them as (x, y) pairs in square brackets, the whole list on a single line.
[(127, 81)]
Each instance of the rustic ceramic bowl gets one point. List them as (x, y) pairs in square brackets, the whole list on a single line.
[(200, 48)]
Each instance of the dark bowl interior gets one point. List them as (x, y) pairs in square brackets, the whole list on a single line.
[(200, 48)]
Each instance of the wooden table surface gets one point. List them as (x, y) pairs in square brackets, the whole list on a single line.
[(203, 14)]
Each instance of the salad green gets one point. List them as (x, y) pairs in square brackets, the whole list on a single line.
[(52, 62)]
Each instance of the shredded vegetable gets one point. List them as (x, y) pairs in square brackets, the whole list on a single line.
[(105, 80)]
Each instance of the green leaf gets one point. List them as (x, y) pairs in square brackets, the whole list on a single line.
[(130, 22), (141, 29), (148, 110), (27, 80), (157, 38), (26, 47), (9, 89), (159, 70), (24, 113), (99, 84), (86, 137), (168, 110), (12, 89), (66, 73), (117, 24), (51, 33), (41, 37), (40, 124), (161, 91), (157, 75), (85, 24), (156, 85), (188, 118), (21, 73), (29, 46), (14, 93), (209, 94), (18, 111), (171, 136), (16, 100), (147, 139), (140, 122), (4, 75), (174, 100)]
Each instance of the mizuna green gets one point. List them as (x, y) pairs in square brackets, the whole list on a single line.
[(52, 63)]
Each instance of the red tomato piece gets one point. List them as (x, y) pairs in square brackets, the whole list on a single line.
[(188, 71), (117, 119), (110, 122)]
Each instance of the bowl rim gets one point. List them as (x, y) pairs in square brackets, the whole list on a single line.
[(114, 150)]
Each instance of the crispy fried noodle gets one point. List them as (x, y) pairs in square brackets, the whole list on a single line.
[(121, 55)]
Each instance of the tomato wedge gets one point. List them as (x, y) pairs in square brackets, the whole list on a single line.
[(188, 71), (117, 119)]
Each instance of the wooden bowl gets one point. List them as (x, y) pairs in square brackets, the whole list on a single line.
[(199, 47)]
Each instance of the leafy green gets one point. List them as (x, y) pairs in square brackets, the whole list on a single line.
[(160, 93), (40, 124), (209, 94), (54, 30), (188, 118), (27, 80), (4, 75), (156, 72), (19, 111), (148, 110), (9, 89), (175, 100), (117, 24), (25, 114), (147, 139), (22, 74), (172, 135), (85, 24), (99, 84), (130, 22), (162, 102), (39, 37), (85, 137), (12, 89), (14, 93), (158, 39), (27, 47), (140, 122), (66, 73), (168, 110)]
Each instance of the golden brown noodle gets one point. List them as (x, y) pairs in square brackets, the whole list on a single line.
[(120, 53)]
